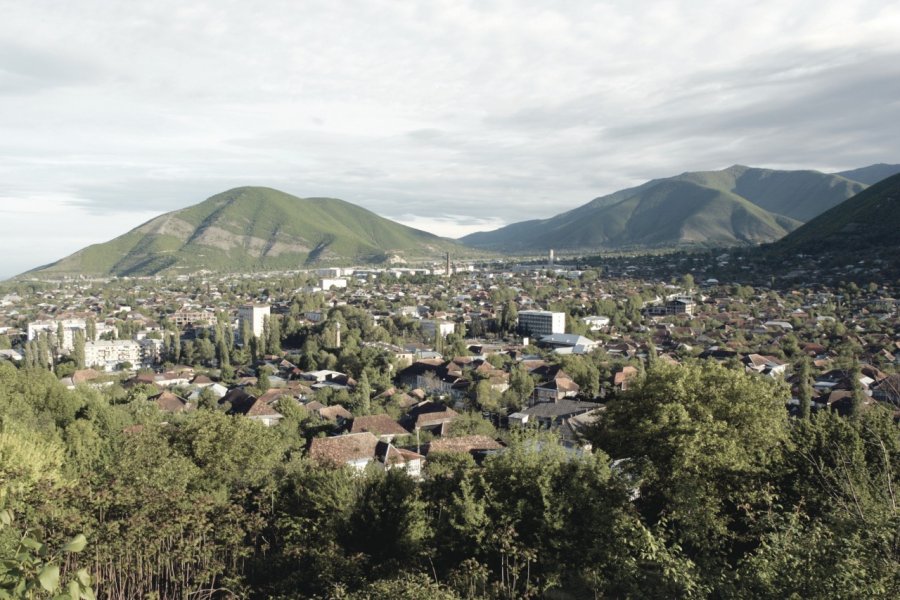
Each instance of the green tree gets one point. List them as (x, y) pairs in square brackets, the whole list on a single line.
[(78, 351), (702, 439), (804, 388)]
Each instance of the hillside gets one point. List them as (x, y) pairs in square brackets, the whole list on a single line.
[(734, 206), (251, 228), (866, 224)]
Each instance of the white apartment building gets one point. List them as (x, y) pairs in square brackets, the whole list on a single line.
[(70, 326), (107, 354), (151, 351), (429, 327), (335, 283), (255, 315), (542, 322)]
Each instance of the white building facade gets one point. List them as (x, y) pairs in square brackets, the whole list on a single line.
[(109, 354), (542, 322), (255, 315)]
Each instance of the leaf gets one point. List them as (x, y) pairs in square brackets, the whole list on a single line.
[(6, 516), (32, 543), (88, 594), (76, 544), (49, 577), (83, 577), (74, 590)]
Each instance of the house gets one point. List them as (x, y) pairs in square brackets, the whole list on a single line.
[(166, 401), (359, 450), (392, 457), (260, 409), (356, 450), (334, 413), (550, 415), (382, 426), (767, 365), (430, 416), (557, 385), (623, 378)]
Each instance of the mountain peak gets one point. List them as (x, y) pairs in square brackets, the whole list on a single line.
[(255, 228)]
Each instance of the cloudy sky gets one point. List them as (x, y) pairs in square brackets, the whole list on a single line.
[(448, 115)]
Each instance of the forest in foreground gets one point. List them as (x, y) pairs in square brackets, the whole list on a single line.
[(700, 485)]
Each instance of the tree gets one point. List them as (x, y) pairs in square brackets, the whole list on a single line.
[(509, 317), (858, 396), (702, 439), (804, 388), (78, 349), (363, 394), (262, 379)]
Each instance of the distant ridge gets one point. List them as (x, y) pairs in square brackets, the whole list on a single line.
[(253, 228), (735, 206), (872, 174)]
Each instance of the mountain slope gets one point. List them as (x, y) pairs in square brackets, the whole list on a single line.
[(253, 228), (870, 221), (872, 174), (738, 205)]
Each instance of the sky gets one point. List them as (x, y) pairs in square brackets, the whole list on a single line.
[(451, 116)]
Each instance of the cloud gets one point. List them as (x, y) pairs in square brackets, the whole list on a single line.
[(500, 109)]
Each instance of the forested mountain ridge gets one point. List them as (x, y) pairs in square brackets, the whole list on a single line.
[(735, 206), (252, 228), (863, 230)]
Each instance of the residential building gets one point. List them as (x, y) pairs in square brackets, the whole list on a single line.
[(542, 322), (69, 327), (255, 315), (108, 354), (430, 327)]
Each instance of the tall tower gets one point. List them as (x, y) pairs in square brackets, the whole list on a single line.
[(551, 257), (337, 334), (447, 271)]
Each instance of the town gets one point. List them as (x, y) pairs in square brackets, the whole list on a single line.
[(390, 365)]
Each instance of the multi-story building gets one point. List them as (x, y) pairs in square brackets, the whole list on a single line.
[(185, 317), (542, 322), (332, 283), (69, 327), (255, 315), (151, 351), (107, 354), (430, 327)]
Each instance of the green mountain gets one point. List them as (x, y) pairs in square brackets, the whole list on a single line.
[(734, 206), (872, 174), (254, 228), (865, 225)]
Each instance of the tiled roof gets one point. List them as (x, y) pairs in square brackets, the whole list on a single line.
[(377, 424), (467, 443), (343, 449)]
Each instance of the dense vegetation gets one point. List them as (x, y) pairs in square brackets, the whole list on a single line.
[(699, 485)]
